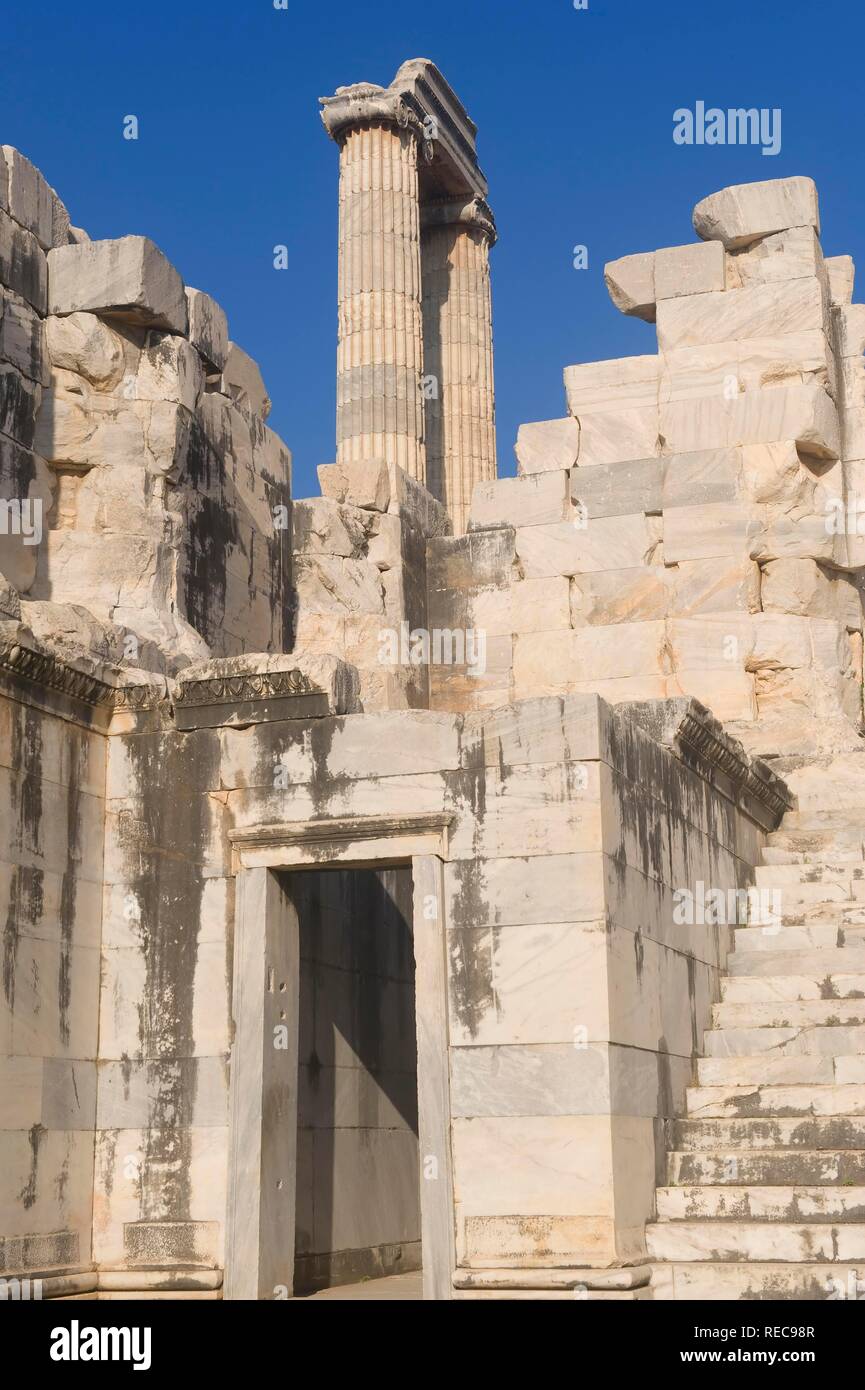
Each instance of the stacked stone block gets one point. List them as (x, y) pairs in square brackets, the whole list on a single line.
[(675, 534)]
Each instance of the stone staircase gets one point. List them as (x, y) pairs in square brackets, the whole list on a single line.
[(766, 1177)]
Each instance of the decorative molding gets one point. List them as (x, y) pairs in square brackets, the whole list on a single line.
[(247, 685), (44, 668), (339, 839), (704, 737)]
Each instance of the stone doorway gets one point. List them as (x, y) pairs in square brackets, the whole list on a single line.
[(391, 868), (357, 1205)]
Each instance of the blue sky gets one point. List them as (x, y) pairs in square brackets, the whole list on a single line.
[(575, 115)]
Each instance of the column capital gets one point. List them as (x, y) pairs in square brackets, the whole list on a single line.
[(366, 104), (472, 212)]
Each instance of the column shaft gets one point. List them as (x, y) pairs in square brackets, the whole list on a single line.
[(458, 347), (380, 353)]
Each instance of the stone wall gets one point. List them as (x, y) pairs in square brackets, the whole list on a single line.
[(676, 534), (138, 431), (52, 787)]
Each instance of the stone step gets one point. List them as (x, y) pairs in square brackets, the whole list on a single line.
[(845, 835), (799, 938), (756, 1240), (792, 1203), (765, 1069), (790, 1014), (708, 1281), (820, 961), (781, 1167), (839, 959), (719, 1102), (840, 823), (768, 1132), (783, 875), (830, 854), (829, 1041), (754, 989), (794, 895)]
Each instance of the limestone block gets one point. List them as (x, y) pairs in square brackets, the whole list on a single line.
[(208, 328), (364, 484), (418, 508), (23, 263), (703, 531), (728, 693), (128, 278), (803, 413), (28, 197), (330, 583), (10, 601), (618, 489), (748, 364), (547, 445), (535, 500), (22, 338), (621, 383), (712, 642), (19, 402), (615, 542), (619, 596), (322, 526), (169, 370), (60, 225), (83, 344), (694, 269), (757, 311), (26, 481), (630, 282), (842, 274), (713, 586), (619, 437), (242, 381), (704, 477), (788, 255), (849, 324), (384, 547), (743, 212), (540, 605), (804, 587)]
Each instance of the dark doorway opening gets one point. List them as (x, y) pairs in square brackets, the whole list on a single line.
[(358, 1187)]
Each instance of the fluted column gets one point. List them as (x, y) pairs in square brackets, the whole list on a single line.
[(458, 348), (380, 349)]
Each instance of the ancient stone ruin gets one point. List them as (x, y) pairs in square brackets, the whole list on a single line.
[(442, 874)]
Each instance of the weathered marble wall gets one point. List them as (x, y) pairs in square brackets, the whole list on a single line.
[(52, 786), (137, 430), (574, 999)]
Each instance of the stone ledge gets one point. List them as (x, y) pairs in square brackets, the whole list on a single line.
[(693, 733), (255, 689), (89, 682)]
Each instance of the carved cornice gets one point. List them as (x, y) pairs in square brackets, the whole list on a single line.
[(701, 735), (45, 669), (366, 104), (246, 685)]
